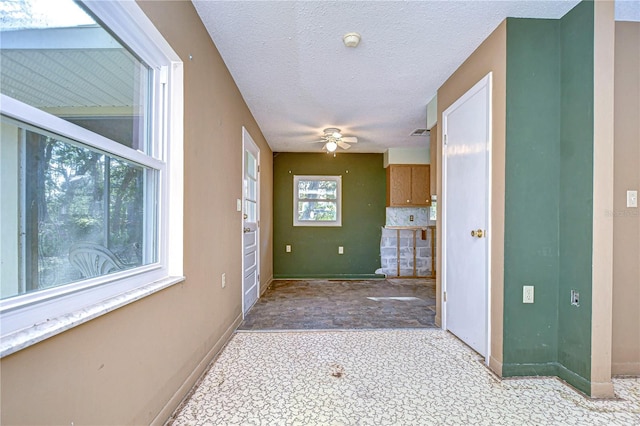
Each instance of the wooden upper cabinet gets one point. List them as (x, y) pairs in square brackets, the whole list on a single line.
[(408, 185)]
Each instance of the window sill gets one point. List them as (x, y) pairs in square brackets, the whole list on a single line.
[(21, 339)]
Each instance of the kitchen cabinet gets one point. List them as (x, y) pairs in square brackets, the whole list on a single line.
[(408, 185)]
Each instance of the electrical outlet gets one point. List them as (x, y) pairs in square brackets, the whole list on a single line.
[(575, 298), (287, 248), (340, 250), (632, 198), (224, 280), (527, 294), (411, 218)]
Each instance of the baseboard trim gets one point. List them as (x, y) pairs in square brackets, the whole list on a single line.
[(330, 277), (495, 366), (625, 368), (264, 287), (183, 391), (550, 369)]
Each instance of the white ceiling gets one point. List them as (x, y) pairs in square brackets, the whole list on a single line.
[(297, 77)]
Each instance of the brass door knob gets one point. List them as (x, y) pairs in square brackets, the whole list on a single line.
[(245, 216), (479, 233), (247, 229)]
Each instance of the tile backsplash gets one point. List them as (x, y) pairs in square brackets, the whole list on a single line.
[(400, 216)]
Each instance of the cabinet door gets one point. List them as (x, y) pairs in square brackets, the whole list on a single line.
[(399, 185), (420, 191)]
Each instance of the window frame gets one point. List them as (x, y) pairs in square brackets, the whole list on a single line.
[(338, 200), (32, 317)]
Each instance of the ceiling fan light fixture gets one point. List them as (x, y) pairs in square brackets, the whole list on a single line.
[(331, 146), (351, 39), (336, 135)]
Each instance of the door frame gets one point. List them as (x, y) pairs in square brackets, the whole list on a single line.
[(247, 141), (486, 81)]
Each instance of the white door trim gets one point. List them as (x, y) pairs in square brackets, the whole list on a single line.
[(484, 82), (247, 142)]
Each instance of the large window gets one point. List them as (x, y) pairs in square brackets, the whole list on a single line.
[(90, 157), (317, 201)]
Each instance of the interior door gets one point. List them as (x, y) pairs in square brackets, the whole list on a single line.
[(250, 223), (466, 160)]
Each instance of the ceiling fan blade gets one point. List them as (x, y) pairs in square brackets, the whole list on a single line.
[(343, 145), (349, 139), (320, 141)]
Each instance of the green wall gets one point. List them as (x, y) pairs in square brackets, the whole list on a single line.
[(548, 198), (315, 249), (576, 194), (532, 195)]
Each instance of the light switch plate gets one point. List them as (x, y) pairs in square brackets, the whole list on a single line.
[(632, 198), (340, 250), (238, 204), (287, 248)]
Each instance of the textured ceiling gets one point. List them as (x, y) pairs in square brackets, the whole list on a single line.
[(297, 77)]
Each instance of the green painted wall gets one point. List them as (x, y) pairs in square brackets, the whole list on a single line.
[(548, 199), (531, 195), (576, 192), (315, 249)]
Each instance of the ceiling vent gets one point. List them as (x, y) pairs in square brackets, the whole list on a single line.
[(420, 132)]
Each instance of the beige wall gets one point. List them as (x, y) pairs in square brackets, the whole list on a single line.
[(603, 134), (134, 365), (626, 221), (491, 56)]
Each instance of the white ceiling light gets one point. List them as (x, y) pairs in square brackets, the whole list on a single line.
[(331, 146), (351, 39)]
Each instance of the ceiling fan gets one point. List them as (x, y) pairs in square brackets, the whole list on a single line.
[(332, 139)]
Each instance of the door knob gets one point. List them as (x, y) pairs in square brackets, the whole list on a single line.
[(479, 233), (245, 216), (247, 229)]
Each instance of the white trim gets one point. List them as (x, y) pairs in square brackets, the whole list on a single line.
[(484, 82), (338, 201)]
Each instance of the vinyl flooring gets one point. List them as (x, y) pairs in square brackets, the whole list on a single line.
[(383, 377), (339, 304)]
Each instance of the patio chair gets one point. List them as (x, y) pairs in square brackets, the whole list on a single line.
[(94, 260)]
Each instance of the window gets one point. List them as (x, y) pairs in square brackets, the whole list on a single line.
[(90, 159), (317, 201)]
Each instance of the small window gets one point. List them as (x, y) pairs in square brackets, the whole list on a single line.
[(317, 201)]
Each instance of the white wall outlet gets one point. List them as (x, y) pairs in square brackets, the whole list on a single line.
[(527, 294), (632, 198), (575, 298), (238, 204), (224, 280), (340, 250), (287, 248)]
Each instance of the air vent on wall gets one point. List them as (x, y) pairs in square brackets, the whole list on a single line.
[(420, 132)]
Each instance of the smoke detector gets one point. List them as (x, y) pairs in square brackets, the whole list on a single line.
[(351, 39)]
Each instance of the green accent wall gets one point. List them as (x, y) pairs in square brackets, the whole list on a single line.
[(549, 196), (531, 194), (315, 249), (576, 190)]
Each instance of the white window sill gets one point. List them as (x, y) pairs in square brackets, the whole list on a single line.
[(21, 339)]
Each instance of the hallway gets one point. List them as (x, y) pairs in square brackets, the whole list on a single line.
[(344, 304), (382, 377)]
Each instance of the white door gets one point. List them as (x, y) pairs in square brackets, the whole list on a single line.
[(250, 223), (466, 230)]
